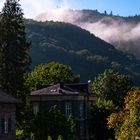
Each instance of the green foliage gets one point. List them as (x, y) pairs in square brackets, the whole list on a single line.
[(75, 47), (101, 103), (60, 137), (49, 138), (112, 88), (14, 49), (24, 128), (51, 73), (52, 123), (126, 123), (71, 128), (14, 53), (98, 123), (19, 133)]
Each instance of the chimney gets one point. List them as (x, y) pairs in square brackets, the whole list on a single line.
[(89, 86)]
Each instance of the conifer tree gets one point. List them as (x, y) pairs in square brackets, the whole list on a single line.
[(14, 49)]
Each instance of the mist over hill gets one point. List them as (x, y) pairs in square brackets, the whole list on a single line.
[(87, 54), (122, 32)]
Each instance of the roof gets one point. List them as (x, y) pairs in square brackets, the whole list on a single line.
[(5, 98), (62, 89), (81, 87)]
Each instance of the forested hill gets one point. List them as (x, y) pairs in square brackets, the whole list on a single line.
[(84, 52), (122, 32)]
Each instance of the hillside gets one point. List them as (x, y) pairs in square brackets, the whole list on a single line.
[(85, 53), (122, 32)]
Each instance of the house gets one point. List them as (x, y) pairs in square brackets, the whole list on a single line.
[(7, 116), (72, 99)]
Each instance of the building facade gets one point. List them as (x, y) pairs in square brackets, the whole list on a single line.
[(7, 117), (72, 99)]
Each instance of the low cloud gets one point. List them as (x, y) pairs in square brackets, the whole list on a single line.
[(114, 31), (32, 8), (108, 29), (63, 14)]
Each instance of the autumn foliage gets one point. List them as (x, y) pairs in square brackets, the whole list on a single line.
[(126, 123)]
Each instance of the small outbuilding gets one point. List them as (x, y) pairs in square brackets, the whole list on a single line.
[(7, 117)]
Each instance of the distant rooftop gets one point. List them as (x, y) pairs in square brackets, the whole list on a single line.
[(5, 98), (61, 89)]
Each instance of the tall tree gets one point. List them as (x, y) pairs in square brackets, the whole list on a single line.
[(126, 122), (111, 86), (51, 73), (14, 49)]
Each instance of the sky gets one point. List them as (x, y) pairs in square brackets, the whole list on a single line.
[(32, 8)]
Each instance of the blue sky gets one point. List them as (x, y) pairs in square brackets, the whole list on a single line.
[(121, 7), (33, 8)]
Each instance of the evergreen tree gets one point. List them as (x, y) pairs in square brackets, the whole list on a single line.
[(111, 86), (111, 13), (105, 12), (14, 49)]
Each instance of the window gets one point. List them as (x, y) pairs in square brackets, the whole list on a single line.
[(5, 126), (81, 110), (68, 109), (35, 109)]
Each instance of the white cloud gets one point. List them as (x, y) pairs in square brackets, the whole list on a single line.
[(32, 8), (115, 31), (1, 4)]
